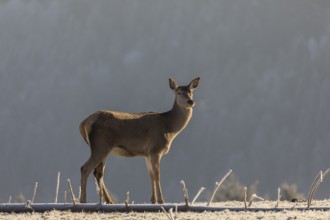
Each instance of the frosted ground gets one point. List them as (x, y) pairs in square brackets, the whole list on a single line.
[(290, 213)]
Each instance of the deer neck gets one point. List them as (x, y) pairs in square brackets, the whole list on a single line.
[(177, 118)]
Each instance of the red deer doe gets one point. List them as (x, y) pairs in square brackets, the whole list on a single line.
[(147, 134)]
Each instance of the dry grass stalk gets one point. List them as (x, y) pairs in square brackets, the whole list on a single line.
[(64, 196), (127, 200), (9, 200), (197, 195), (176, 211), (217, 186), (73, 198), (171, 213), (79, 195), (34, 192), (278, 197), (255, 197), (57, 186), (311, 190), (169, 216), (185, 192), (317, 181), (317, 178), (245, 198), (321, 176)]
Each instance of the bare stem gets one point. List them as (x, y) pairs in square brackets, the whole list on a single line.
[(34, 192), (176, 211), (321, 176), (185, 192), (71, 193), (9, 200), (64, 196), (127, 200), (254, 197), (278, 197), (317, 181), (168, 216), (171, 214), (217, 186), (79, 195), (57, 186), (197, 195), (245, 198), (309, 198)]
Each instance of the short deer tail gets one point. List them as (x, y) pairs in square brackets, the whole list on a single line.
[(84, 132)]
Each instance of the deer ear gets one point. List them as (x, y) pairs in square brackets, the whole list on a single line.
[(193, 84), (173, 84)]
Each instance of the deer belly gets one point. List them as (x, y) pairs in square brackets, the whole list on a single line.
[(124, 152)]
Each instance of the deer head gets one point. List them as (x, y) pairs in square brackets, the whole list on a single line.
[(184, 94)]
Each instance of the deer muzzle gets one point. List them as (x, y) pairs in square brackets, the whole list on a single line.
[(191, 103)]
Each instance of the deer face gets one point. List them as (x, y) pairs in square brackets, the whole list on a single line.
[(184, 94)]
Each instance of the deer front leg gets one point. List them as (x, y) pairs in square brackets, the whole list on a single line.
[(155, 163), (153, 185)]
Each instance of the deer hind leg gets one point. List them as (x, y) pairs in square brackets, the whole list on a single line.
[(86, 169), (98, 155), (99, 174)]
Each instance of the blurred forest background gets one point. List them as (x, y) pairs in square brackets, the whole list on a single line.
[(262, 107)]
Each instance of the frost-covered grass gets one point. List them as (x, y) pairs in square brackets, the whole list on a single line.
[(288, 213), (189, 215)]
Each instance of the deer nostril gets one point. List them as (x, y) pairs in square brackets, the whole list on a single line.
[(191, 102)]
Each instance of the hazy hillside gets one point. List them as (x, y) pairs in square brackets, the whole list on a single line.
[(262, 105)]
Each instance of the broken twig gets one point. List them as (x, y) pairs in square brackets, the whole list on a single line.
[(278, 197), (197, 195), (317, 181), (245, 198), (73, 198), (34, 192), (169, 216), (127, 200), (217, 186), (254, 197), (57, 186), (64, 196), (185, 192)]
